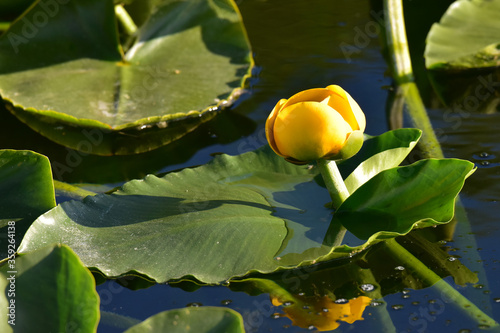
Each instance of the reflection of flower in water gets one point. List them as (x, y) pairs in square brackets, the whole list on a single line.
[(322, 312)]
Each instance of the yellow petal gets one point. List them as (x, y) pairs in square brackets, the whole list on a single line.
[(310, 95), (270, 125), (309, 130), (341, 101)]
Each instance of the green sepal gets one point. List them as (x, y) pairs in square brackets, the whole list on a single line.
[(351, 147)]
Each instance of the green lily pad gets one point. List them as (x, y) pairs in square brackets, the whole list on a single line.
[(66, 300), (205, 221), (199, 222), (203, 319), (80, 90), (466, 37), (395, 200), (28, 192)]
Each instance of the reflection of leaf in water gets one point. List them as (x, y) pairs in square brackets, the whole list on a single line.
[(371, 273)]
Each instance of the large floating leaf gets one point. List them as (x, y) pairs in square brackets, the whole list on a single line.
[(67, 78), (395, 200), (27, 192), (54, 292), (212, 222), (198, 320), (215, 222), (466, 37)]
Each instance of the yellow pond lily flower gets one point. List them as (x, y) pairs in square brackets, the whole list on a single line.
[(314, 124), (323, 313)]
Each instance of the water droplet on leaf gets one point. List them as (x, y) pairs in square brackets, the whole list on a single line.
[(367, 287)]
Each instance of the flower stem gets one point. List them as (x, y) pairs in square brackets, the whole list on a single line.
[(430, 146), (403, 74), (125, 20), (338, 192), (334, 182)]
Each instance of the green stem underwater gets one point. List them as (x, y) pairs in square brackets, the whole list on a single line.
[(445, 290)]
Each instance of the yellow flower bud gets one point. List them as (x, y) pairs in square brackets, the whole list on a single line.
[(313, 124)]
